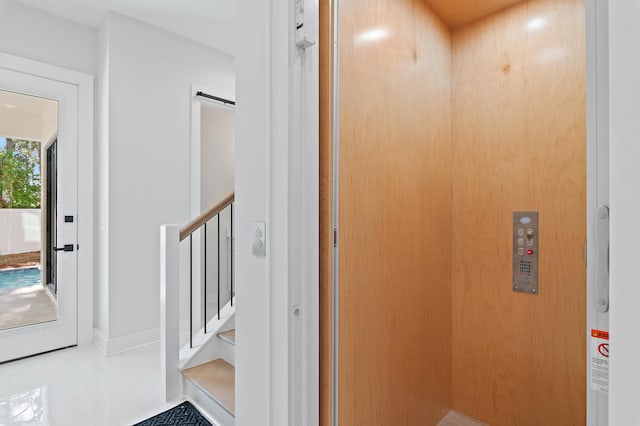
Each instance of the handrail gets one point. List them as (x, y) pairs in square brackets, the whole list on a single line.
[(196, 223)]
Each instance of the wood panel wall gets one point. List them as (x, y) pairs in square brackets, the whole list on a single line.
[(519, 143), (395, 214)]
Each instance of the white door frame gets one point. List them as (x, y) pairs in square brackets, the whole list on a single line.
[(277, 177), (195, 204), (597, 180), (85, 218)]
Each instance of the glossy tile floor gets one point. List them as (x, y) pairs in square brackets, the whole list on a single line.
[(80, 386)]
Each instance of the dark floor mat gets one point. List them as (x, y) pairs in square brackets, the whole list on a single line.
[(183, 414)]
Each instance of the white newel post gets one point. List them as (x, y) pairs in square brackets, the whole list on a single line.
[(169, 310)]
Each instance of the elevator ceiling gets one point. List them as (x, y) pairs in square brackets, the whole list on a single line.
[(459, 12)]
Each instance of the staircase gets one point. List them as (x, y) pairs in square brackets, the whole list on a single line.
[(212, 385), (199, 365)]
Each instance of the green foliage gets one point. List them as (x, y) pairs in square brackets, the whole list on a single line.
[(20, 175)]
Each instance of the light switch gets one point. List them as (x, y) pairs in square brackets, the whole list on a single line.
[(259, 236)]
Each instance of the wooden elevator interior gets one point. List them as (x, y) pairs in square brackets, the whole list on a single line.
[(453, 115)]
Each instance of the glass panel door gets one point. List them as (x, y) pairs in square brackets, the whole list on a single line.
[(38, 199)]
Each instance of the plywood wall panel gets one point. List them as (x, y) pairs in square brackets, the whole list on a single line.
[(395, 212), (519, 143)]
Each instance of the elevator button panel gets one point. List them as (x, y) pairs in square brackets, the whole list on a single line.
[(526, 235)]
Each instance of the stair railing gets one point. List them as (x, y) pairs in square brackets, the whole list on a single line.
[(188, 231), (170, 238)]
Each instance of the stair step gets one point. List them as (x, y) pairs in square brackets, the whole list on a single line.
[(228, 336), (217, 379)]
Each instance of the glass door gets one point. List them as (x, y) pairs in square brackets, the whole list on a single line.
[(38, 203)]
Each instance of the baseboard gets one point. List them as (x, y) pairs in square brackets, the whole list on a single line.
[(125, 343), (128, 342), (100, 341)]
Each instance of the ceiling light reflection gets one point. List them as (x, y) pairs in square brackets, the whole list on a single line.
[(373, 35), (536, 23)]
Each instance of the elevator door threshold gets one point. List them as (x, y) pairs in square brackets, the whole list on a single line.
[(456, 419)]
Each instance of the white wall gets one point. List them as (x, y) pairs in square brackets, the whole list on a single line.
[(146, 76), (218, 137), (20, 230), (40, 36), (252, 194), (101, 195), (625, 211)]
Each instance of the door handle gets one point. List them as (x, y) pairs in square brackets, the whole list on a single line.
[(67, 247), (602, 260)]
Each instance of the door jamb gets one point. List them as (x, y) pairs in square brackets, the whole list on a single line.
[(195, 204)]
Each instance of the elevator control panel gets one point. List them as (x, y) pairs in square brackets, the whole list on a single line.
[(525, 252)]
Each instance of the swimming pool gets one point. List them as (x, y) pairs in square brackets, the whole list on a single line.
[(16, 278)]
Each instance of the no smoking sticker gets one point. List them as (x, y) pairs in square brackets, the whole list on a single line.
[(600, 360)]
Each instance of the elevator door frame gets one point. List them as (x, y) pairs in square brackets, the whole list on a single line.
[(597, 179), (597, 64)]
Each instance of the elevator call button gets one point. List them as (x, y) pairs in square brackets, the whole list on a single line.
[(525, 260)]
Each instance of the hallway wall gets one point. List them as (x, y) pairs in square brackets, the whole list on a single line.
[(519, 144), (144, 121), (625, 209)]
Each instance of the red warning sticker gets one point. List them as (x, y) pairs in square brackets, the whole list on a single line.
[(600, 360), (600, 334)]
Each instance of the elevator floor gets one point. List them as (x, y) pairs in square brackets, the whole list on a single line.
[(456, 419)]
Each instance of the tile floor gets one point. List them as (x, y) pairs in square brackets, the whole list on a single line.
[(80, 386)]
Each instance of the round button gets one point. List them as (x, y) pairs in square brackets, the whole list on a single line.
[(258, 233), (520, 232), (258, 244), (520, 241)]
